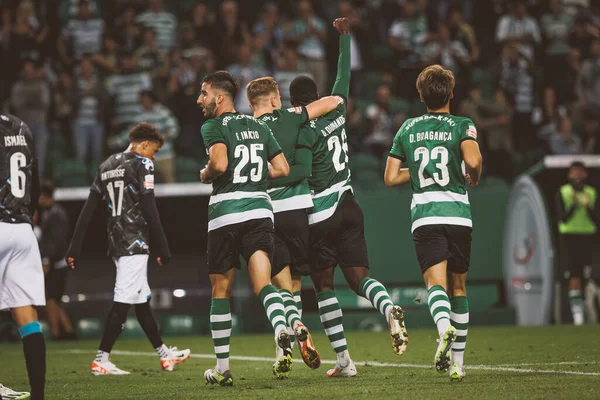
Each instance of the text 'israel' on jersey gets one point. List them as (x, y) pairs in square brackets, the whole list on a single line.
[(429, 146), (240, 194), (16, 162), (330, 179), (285, 125), (122, 179)]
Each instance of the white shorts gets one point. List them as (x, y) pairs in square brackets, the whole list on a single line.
[(21, 273), (131, 285)]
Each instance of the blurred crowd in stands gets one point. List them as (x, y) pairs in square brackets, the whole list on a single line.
[(81, 73)]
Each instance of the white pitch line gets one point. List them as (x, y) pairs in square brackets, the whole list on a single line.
[(363, 363), (549, 363)]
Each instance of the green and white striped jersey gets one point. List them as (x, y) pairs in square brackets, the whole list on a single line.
[(240, 194), (285, 125), (429, 146), (326, 137)]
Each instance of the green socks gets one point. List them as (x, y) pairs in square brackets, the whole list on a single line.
[(220, 328), (331, 318), (376, 293), (439, 307), (459, 316), (273, 304)]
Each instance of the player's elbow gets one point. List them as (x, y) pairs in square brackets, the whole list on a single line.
[(473, 161), (220, 166), (284, 169)]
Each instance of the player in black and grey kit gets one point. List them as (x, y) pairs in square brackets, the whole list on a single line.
[(126, 183), (21, 274)]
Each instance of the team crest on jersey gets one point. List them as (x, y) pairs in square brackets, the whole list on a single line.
[(297, 110), (149, 182), (471, 131), (148, 163)]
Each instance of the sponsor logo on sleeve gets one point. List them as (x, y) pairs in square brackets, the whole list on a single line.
[(297, 110), (471, 131), (149, 182), (339, 99)]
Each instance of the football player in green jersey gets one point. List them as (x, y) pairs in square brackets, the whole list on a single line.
[(242, 154), (290, 197), (336, 220), (441, 156)]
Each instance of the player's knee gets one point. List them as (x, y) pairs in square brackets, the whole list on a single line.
[(118, 313)]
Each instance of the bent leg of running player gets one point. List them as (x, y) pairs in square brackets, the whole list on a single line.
[(284, 283), (34, 347), (259, 270), (332, 320), (459, 318), (439, 306)]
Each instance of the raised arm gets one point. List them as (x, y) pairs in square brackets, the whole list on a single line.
[(342, 80), (473, 161), (395, 175), (321, 107)]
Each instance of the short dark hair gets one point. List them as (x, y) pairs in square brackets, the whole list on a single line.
[(148, 93), (436, 84), (303, 91), (145, 131), (577, 164), (224, 81), (47, 189)]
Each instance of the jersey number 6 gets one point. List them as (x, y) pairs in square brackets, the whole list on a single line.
[(18, 179)]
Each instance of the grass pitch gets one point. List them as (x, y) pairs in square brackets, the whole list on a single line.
[(507, 362)]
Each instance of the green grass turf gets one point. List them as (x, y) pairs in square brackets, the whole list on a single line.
[(562, 349)]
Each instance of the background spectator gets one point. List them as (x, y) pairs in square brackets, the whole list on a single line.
[(515, 78), (405, 35), (90, 101), (288, 68), (382, 122), (310, 34), (519, 28), (556, 26), (30, 99), (162, 22), (244, 72), (54, 241), (81, 35), (125, 87), (129, 31), (162, 118), (565, 141)]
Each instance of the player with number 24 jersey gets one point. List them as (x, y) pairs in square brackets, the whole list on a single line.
[(336, 220)]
